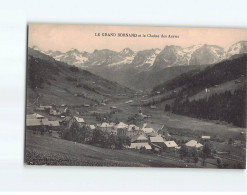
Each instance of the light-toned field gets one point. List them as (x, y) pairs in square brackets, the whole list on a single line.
[(159, 117)]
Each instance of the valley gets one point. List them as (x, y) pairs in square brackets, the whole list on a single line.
[(101, 110)]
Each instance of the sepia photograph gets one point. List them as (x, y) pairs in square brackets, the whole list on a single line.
[(135, 96)]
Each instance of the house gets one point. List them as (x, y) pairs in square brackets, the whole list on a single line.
[(92, 127), (139, 146), (147, 129), (157, 141), (194, 144), (205, 137), (80, 121), (69, 121), (54, 113), (153, 107), (47, 108), (171, 144), (108, 127), (139, 141), (34, 116), (121, 125), (35, 124), (152, 134), (133, 127), (53, 125), (121, 129), (39, 109), (133, 130)]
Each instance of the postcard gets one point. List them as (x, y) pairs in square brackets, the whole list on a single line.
[(136, 96)]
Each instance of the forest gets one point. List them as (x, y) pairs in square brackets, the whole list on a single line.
[(227, 106)]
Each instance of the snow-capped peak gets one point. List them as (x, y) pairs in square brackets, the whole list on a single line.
[(237, 48)]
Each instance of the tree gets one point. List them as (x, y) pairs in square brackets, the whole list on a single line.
[(219, 162), (183, 151), (195, 155), (230, 141), (206, 152), (167, 107)]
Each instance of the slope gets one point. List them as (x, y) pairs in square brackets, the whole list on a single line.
[(216, 93), (53, 82)]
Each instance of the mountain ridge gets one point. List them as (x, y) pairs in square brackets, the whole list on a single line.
[(170, 55)]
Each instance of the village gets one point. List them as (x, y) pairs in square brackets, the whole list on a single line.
[(139, 134)]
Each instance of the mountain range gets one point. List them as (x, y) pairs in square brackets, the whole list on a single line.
[(128, 67), (170, 55)]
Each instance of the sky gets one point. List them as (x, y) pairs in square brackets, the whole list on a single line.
[(82, 37)]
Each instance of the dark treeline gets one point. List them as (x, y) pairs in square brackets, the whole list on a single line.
[(96, 137), (195, 81), (39, 71), (229, 107)]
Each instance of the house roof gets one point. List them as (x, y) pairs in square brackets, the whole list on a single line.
[(106, 125), (171, 144), (205, 137), (139, 145), (34, 116), (92, 127), (121, 125), (148, 130), (138, 138), (79, 120), (152, 134), (54, 123), (133, 127), (36, 122), (156, 139), (193, 143), (30, 116)]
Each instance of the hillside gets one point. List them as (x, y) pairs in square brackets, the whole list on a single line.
[(216, 93), (54, 82), (42, 150), (195, 81)]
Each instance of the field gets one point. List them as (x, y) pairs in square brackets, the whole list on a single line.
[(44, 150)]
